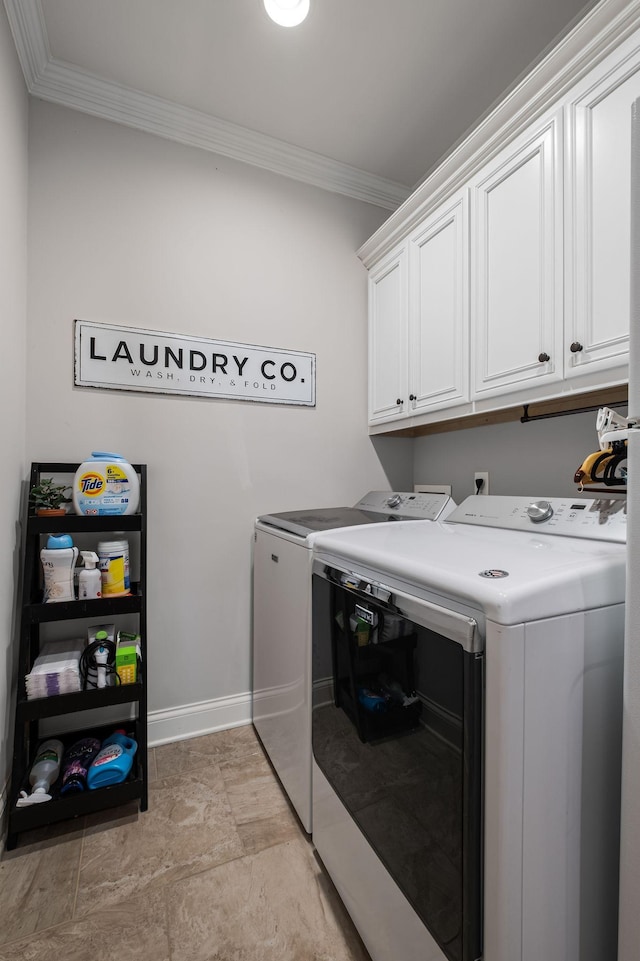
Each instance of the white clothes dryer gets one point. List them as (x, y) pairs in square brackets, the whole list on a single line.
[(467, 757)]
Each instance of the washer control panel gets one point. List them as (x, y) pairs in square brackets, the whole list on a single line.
[(407, 505), (603, 518)]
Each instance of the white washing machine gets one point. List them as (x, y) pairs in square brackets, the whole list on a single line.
[(282, 623), (467, 761)]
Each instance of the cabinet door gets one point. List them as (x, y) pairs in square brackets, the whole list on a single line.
[(439, 309), (517, 266), (388, 394), (598, 214)]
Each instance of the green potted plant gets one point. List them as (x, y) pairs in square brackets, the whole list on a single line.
[(47, 498)]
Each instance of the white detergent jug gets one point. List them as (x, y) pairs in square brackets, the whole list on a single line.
[(106, 484), (44, 772)]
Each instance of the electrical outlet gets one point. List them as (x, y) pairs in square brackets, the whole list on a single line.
[(481, 475)]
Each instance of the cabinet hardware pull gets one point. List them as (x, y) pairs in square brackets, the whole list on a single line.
[(543, 358), (576, 347), (399, 402), (412, 397)]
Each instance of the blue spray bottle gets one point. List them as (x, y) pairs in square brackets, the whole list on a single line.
[(114, 760)]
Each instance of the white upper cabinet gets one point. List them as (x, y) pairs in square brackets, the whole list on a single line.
[(388, 394), (505, 278), (438, 309), (598, 208), (517, 260)]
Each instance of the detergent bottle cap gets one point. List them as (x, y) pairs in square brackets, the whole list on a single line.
[(101, 635), (59, 541), (90, 559)]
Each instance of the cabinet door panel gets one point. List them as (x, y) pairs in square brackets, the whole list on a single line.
[(438, 310), (598, 215), (387, 339), (517, 272)]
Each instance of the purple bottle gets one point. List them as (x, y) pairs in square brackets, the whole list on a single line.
[(76, 764)]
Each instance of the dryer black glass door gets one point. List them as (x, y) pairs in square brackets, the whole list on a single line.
[(397, 732)]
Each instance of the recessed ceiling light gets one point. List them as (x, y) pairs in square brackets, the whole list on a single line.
[(288, 13)]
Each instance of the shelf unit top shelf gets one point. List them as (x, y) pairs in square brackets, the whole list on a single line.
[(83, 523)]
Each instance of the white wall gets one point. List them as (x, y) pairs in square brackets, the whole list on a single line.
[(128, 228), (13, 309), (537, 458)]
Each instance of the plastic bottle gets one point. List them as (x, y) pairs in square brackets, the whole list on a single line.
[(113, 762), (76, 764), (58, 562), (44, 772), (114, 568), (106, 483), (371, 701), (89, 581)]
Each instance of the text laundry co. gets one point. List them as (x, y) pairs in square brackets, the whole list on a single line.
[(128, 358)]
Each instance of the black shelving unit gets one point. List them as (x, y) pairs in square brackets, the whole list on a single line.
[(29, 713)]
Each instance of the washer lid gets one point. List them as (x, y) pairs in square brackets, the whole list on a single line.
[(376, 507), (511, 576)]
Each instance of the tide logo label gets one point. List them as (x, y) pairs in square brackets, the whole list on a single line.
[(91, 484)]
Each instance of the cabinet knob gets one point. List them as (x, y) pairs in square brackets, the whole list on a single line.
[(543, 358), (576, 347), (412, 397), (399, 402)]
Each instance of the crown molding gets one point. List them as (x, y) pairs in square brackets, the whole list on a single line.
[(30, 37), (70, 86)]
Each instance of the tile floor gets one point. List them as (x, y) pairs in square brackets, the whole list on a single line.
[(218, 869)]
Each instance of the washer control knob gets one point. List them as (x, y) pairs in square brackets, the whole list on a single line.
[(539, 511), (394, 501)]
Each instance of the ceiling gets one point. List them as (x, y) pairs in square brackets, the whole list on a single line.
[(363, 98)]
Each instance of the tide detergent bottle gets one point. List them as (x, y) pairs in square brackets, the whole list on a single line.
[(112, 763), (106, 484)]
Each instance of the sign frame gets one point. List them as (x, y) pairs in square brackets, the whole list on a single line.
[(134, 359)]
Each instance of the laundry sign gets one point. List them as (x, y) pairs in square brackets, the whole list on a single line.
[(129, 358)]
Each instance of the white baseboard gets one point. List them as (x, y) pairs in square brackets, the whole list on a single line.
[(3, 811), (194, 720)]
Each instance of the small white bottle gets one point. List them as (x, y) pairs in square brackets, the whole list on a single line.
[(89, 579), (44, 772)]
